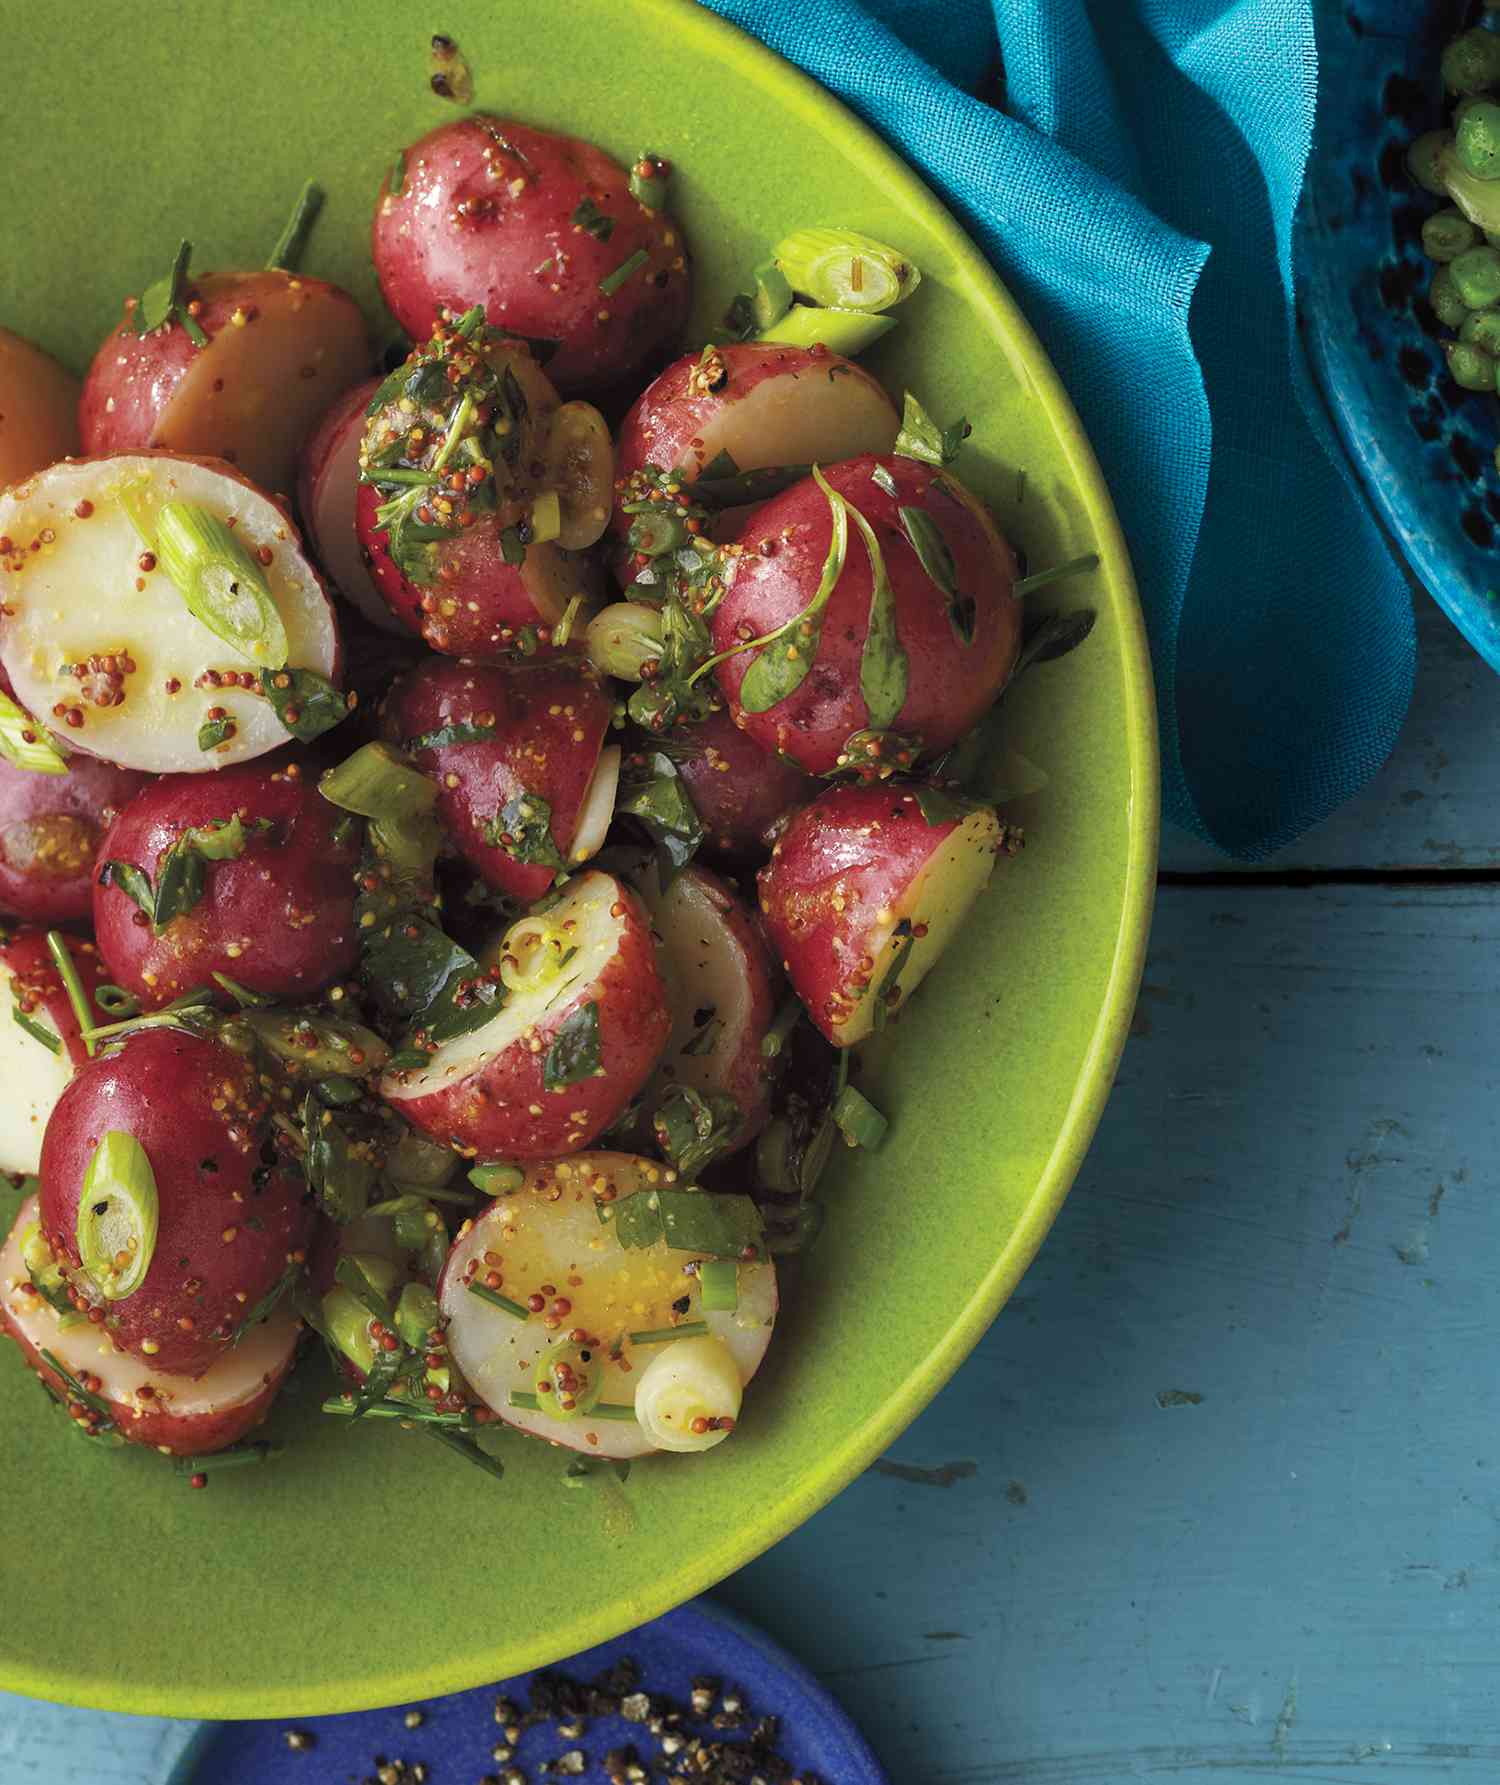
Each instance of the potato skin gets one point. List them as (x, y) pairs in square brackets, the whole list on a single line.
[(38, 984), (135, 378), (487, 204), (950, 684), (50, 827), (39, 421), (492, 1109), (233, 1213), (550, 725), (740, 791), (279, 918)]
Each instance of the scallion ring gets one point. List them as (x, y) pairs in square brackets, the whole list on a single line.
[(844, 270), (688, 1397), (24, 742), (222, 584), (118, 1212)]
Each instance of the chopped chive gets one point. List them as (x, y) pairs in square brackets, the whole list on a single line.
[(528, 1403), (659, 1335), (611, 282), (75, 1388), (397, 182), (407, 1059), (57, 947), (51, 1042), (1041, 578), (239, 1457), (776, 1037), (191, 326), (861, 1124), (467, 1449), (398, 474), (496, 1300), (496, 1180), (293, 238), (648, 180), (114, 1000), (418, 1413)]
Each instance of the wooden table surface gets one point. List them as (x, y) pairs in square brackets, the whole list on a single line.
[(1217, 1499)]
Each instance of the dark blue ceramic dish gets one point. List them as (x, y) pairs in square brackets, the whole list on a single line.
[(1424, 449), (456, 1735)]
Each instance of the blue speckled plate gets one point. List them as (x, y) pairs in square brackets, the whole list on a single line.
[(456, 1736), (1423, 448)]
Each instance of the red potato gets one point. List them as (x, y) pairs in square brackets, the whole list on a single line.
[(864, 891), (99, 643), (721, 990), (549, 1240), (181, 1415), (544, 727), (950, 683), (278, 916), (487, 1091), (280, 348), (33, 1073), (327, 489), (38, 409), (532, 225), (50, 826), (234, 1216), (762, 404), (475, 559), (740, 791)]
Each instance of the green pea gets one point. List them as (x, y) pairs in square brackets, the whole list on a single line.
[(1471, 367), (1471, 62), (1476, 277), (1447, 305), (1476, 138), (1482, 330), (1422, 160), (1446, 235)]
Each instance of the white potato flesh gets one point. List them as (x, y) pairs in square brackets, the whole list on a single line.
[(938, 898), (33, 1078), (83, 1349), (330, 525), (581, 468), (804, 419), (598, 806), (76, 596), (708, 967), (38, 409), (595, 934), (548, 1235)]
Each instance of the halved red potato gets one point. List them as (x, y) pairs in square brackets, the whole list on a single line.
[(544, 232), (545, 1244), (327, 489), (276, 907), (476, 483), (491, 735), (866, 888), (38, 409), (99, 643), (182, 1415), (280, 347), (35, 1071), (740, 791), (721, 990), (762, 404), (233, 1213), (586, 1016), (50, 826), (959, 643)]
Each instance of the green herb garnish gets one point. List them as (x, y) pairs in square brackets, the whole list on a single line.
[(611, 282), (1028, 585), (53, 1043), (653, 793), (692, 1129), (165, 299), (466, 731), (298, 227), (523, 829), (921, 437), (574, 1053), (712, 1224), (305, 702), (1054, 637), (660, 1335), (496, 1300), (588, 217), (927, 542), (181, 873), (62, 959), (237, 1456)]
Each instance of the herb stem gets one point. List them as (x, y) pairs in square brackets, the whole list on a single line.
[(293, 238), (57, 947), (1041, 578)]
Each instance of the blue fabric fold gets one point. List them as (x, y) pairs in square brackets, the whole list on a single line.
[(1136, 193)]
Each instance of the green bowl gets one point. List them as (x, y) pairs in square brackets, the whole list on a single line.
[(367, 1566)]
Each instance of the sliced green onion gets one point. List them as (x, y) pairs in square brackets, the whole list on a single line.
[(293, 238), (496, 1300), (415, 1222), (624, 638), (416, 1315), (611, 282), (563, 630), (62, 957), (53, 1043), (858, 1120), (24, 743), (770, 294), (648, 180), (346, 1322), (417, 1161), (220, 581), (118, 1212), (844, 270), (546, 516), (115, 1001), (1041, 578), (239, 1456), (660, 1335), (563, 1371), (378, 782), (718, 1285), (841, 331), (497, 1180)]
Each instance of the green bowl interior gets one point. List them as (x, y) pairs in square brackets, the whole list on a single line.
[(370, 1566)]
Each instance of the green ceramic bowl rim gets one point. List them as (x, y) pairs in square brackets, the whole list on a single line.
[(855, 1449)]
